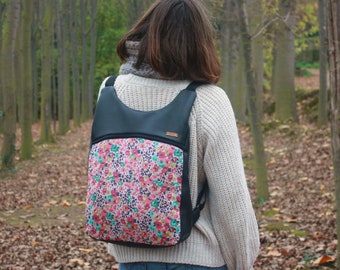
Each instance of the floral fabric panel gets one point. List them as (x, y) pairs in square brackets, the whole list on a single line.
[(134, 191)]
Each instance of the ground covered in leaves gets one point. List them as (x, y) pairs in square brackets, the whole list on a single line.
[(42, 203)]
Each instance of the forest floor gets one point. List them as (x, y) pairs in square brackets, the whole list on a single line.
[(42, 203)]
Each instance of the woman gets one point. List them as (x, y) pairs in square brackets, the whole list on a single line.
[(170, 46)]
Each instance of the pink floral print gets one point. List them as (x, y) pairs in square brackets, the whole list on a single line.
[(134, 191)]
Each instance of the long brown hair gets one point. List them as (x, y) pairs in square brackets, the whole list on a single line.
[(176, 40)]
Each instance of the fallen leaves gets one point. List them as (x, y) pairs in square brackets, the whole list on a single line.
[(65, 203), (297, 223), (323, 260)]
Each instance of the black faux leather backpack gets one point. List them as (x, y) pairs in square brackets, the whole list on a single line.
[(138, 186)]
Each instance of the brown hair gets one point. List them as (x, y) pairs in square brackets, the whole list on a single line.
[(176, 41)]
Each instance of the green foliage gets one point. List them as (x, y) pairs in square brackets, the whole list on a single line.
[(270, 212), (112, 21), (300, 234), (306, 34), (306, 64), (307, 27), (279, 226)]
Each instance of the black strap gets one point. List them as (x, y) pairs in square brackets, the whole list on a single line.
[(200, 204), (193, 85), (110, 81)]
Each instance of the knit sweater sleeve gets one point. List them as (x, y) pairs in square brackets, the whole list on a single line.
[(232, 214)]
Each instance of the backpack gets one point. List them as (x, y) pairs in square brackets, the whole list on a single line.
[(138, 187)]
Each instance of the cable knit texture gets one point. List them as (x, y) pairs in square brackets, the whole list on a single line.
[(227, 231), (128, 67)]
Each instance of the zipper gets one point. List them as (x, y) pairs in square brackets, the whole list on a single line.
[(139, 135)]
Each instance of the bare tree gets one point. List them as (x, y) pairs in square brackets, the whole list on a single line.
[(233, 75), (2, 13), (323, 60), (8, 78), (46, 73), (66, 66), (255, 11), (26, 89), (284, 61), (92, 62), (255, 124), (75, 65), (334, 55)]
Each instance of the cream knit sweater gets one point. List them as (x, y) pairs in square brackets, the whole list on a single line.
[(227, 231)]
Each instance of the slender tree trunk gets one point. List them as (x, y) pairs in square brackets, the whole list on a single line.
[(240, 102), (84, 94), (9, 31), (61, 72), (274, 74), (75, 64), (233, 77), (35, 62), (284, 85), (322, 105), (19, 68), (259, 154), (334, 49), (46, 73), (2, 13), (27, 90), (135, 10), (66, 66), (255, 25), (225, 46), (54, 95), (92, 55), (232, 39)]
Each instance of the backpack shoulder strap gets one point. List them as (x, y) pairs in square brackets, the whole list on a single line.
[(193, 85), (110, 81), (200, 204)]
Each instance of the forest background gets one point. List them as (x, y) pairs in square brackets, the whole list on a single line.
[(55, 54)]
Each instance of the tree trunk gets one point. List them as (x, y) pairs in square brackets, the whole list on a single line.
[(46, 73), (19, 68), (255, 27), (2, 13), (259, 154), (233, 76), (92, 55), (225, 46), (9, 30), (284, 85), (84, 94), (27, 90), (135, 8), (60, 65), (34, 48), (66, 67), (240, 99), (75, 65), (334, 49), (322, 105)]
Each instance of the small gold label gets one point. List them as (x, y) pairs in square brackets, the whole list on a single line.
[(172, 134)]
